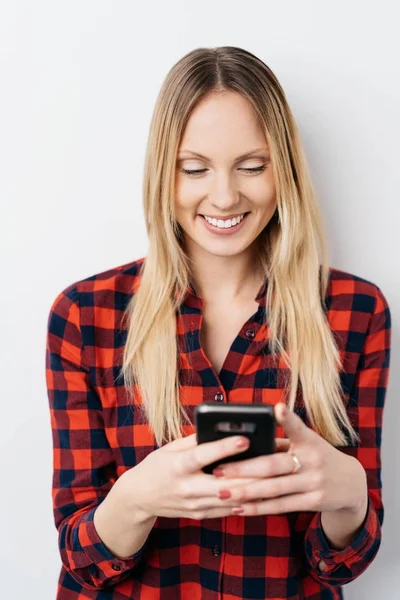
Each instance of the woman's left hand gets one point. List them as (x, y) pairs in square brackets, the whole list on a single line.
[(328, 480)]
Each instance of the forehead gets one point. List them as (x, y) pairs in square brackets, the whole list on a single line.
[(224, 122)]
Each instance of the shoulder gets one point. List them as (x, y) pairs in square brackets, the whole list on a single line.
[(357, 310), (108, 289), (350, 292)]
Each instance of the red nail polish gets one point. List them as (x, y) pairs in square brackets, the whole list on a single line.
[(242, 443), (224, 494), (218, 472)]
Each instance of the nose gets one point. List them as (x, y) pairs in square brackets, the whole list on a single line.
[(223, 193)]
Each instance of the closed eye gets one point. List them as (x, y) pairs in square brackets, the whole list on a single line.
[(199, 171)]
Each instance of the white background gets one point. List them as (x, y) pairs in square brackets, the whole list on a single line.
[(78, 84)]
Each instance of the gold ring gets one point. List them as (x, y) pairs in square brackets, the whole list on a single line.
[(296, 463)]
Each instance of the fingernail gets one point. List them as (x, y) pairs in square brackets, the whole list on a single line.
[(224, 494), (218, 472), (237, 510), (242, 443)]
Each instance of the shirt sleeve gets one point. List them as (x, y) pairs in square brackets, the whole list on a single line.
[(326, 564), (84, 467)]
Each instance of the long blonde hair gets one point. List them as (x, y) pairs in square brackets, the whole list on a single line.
[(289, 253)]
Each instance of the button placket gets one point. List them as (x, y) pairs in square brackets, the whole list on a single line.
[(322, 565), (250, 334)]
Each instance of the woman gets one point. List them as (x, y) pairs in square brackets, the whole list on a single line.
[(232, 304)]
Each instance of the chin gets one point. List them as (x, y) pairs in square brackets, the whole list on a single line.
[(226, 250)]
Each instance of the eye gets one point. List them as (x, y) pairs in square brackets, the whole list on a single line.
[(199, 171), (255, 169), (192, 172)]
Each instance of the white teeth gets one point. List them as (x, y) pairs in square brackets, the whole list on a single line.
[(224, 224)]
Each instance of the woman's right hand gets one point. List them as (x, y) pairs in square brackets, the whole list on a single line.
[(170, 482)]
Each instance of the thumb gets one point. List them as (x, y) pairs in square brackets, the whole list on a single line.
[(295, 429)]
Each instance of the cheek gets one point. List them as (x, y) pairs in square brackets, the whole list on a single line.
[(260, 190), (186, 196), (269, 189), (264, 197), (185, 206)]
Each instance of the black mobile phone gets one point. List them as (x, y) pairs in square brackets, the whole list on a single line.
[(255, 421)]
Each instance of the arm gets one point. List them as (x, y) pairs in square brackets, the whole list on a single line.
[(84, 470), (123, 533), (329, 564)]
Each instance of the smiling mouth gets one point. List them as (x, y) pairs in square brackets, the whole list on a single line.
[(226, 218), (224, 229)]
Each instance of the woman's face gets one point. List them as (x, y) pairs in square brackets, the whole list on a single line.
[(222, 128)]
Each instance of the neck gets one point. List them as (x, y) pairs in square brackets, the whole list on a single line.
[(227, 278)]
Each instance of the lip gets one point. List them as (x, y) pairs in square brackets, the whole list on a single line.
[(225, 218), (218, 231)]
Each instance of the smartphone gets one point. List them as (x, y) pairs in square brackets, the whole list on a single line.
[(255, 421)]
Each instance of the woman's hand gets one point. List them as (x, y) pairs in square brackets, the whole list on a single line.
[(170, 482), (328, 480)]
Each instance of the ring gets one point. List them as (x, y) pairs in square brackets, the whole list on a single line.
[(296, 467), (296, 462)]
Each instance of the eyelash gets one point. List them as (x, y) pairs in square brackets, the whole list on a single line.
[(199, 171)]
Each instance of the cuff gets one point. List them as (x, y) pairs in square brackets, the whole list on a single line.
[(348, 562), (93, 546)]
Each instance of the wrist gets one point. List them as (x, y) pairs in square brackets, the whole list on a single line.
[(123, 531), (358, 503), (128, 500)]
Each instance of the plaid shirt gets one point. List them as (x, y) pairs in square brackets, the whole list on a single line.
[(97, 436)]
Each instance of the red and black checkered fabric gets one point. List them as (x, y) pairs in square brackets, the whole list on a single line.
[(98, 435)]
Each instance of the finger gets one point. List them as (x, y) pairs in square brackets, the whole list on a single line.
[(269, 488), (268, 465), (282, 444), (200, 493), (301, 502), (296, 430), (207, 487), (209, 513), (208, 452)]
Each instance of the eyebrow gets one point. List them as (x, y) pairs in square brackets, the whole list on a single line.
[(241, 157)]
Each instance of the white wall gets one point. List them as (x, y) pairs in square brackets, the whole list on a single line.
[(78, 84)]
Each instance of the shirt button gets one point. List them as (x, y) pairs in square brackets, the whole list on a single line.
[(250, 333), (116, 567), (321, 565), (216, 551), (219, 397)]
